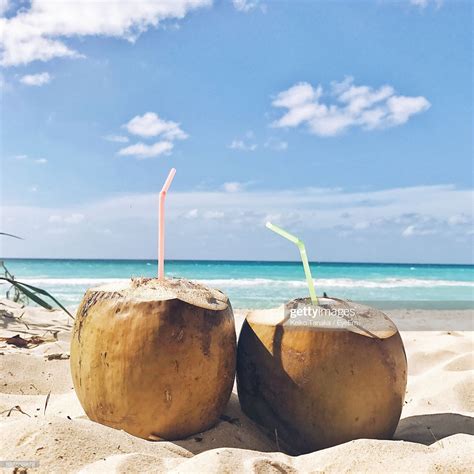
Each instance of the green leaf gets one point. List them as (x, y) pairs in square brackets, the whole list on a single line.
[(32, 296), (29, 294), (30, 291)]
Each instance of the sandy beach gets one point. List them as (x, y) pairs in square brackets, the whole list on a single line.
[(41, 419)]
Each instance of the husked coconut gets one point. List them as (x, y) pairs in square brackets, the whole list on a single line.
[(155, 358), (324, 378)]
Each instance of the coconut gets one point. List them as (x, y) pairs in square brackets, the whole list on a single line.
[(322, 379), (155, 358)]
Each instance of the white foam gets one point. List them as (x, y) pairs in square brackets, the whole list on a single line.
[(255, 282), (341, 283), (71, 281)]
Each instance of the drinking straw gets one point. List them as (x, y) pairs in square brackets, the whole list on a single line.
[(161, 228), (304, 258)]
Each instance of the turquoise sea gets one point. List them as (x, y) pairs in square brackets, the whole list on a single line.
[(266, 284)]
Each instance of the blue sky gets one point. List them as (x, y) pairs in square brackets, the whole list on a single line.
[(349, 123)]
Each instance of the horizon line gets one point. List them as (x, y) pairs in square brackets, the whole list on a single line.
[(235, 261)]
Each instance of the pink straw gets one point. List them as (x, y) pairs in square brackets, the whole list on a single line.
[(161, 228)]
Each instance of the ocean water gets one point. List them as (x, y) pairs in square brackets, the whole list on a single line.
[(266, 284)]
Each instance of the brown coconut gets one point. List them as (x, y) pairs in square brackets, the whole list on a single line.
[(154, 358), (318, 385)]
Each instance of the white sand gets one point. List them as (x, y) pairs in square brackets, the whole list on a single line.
[(435, 433)]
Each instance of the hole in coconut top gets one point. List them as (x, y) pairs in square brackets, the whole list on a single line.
[(154, 289)]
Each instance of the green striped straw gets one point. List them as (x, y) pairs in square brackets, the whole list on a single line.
[(304, 258)]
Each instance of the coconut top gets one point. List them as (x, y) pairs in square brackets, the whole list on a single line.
[(330, 314), (153, 289)]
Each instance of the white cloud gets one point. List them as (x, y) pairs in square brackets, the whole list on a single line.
[(75, 218), (458, 219), (297, 95), (424, 3), (39, 161), (151, 125), (402, 108), (249, 143), (146, 126), (276, 144), (116, 138), (329, 220), (40, 31), (246, 6), (361, 225), (213, 215), (233, 187), (412, 230), (347, 106), (242, 145), (192, 214), (39, 79), (142, 151), (419, 3), (206, 215)]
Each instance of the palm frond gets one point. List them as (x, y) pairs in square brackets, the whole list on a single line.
[(11, 235), (32, 292)]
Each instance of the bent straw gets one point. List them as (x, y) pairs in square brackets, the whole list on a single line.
[(161, 228), (304, 258)]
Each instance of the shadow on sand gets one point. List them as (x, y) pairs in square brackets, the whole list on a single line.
[(233, 430), (427, 429)]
